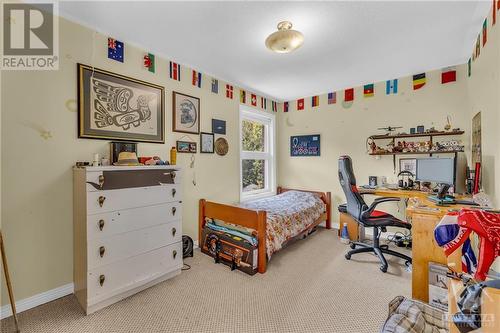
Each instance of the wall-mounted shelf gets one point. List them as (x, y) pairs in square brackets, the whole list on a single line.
[(416, 135), (430, 135), (419, 152)]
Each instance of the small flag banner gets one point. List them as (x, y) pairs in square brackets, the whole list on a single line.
[(274, 106), (229, 91), (478, 46), (332, 98), (175, 71), (494, 18), (263, 103), (253, 99), (469, 67), (449, 74), (149, 62), (418, 81), (314, 101), (115, 49), (391, 87), (285, 107), (349, 95), (485, 31), (196, 79), (368, 90), (215, 86), (243, 96), (300, 104)]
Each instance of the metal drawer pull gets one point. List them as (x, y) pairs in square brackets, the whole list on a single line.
[(102, 249), (172, 174), (174, 254), (101, 224), (174, 210), (101, 181), (101, 279), (101, 200), (173, 192), (174, 231)]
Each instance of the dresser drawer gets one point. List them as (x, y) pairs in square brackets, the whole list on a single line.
[(112, 223), (104, 251), (122, 179), (110, 280), (108, 201)]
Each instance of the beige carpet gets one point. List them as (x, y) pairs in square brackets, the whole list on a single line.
[(309, 287)]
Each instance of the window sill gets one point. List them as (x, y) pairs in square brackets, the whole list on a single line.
[(249, 197)]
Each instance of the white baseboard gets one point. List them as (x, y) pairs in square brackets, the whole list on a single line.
[(36, 300)]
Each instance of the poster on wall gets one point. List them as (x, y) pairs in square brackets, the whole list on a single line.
[(117, 107), (305, 145)]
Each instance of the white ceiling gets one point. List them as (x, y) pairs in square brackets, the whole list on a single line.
[(346, 43)]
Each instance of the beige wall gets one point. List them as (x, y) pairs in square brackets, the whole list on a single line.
[(483, 88), (344, 131), (36, 172)]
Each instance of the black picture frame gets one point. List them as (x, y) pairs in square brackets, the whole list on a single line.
[(142, 107), (186, 147), (207, 147), (219, 126)]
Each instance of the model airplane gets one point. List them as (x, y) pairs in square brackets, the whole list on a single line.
[(389, 128)]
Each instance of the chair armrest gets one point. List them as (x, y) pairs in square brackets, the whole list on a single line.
[(377, 202)]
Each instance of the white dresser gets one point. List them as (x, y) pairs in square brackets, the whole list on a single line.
[(127, 231)]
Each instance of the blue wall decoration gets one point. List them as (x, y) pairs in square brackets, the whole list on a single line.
[(305, 145), (218, 126)]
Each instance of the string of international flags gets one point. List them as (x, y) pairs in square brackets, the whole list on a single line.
[(116, 51), (391, 88), (448, 74), (482, 37)]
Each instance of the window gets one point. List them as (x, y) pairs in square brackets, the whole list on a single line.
[(257, 154)]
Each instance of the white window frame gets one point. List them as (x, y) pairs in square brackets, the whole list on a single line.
[(269, 153)]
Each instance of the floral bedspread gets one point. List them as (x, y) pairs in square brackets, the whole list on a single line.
[(288, 214)]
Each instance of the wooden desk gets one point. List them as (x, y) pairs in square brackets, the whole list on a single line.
[(424, 215)]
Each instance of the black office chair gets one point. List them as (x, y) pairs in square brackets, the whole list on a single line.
[(367, 216)]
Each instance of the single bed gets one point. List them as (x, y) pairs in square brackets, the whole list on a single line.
[(276, 220)]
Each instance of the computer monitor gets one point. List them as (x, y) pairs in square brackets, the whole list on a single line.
[(437, 170)]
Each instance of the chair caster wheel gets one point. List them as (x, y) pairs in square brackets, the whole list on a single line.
[(352, 246), (348, 256), (383, 269)]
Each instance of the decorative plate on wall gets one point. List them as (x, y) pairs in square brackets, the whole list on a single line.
[(221, 146)]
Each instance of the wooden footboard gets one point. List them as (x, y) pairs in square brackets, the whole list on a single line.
[(253, 219)]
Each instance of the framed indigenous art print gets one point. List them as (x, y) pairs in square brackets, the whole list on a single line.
[(186, 113), (117, 107)]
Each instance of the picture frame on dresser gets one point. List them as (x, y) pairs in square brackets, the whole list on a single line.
[(138, 116)]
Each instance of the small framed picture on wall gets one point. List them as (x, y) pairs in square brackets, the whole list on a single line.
[(408, 164), (185, 113), (186, 147), (206, 143)]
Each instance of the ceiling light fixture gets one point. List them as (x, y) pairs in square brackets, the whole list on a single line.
[(284, 40)]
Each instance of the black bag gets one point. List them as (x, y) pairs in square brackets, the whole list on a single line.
[(469, 305)]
